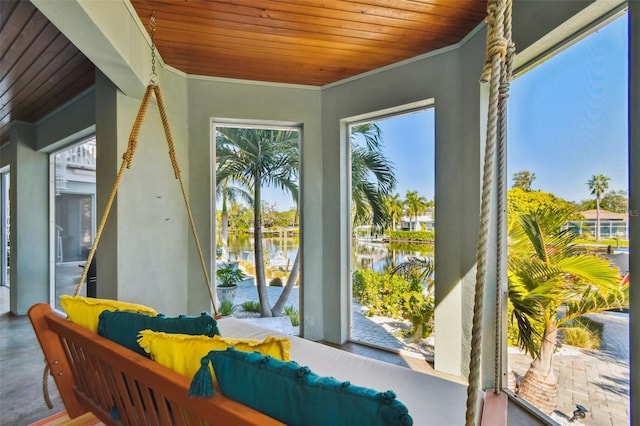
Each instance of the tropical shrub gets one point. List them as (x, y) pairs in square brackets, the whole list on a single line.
[(547, 273), (395, 297), (583, 332), (227, 308), (251, 306), (293, 315), (580, 337), (276, 282), (426, 236)]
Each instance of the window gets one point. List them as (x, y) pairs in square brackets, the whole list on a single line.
[(257, 217), (393, 231), (73, 195), (568, 150)]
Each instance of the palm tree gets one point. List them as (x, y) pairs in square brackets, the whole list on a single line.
[(548, 276), (259, 157), (394, 208), (372, 176), (229, 192), (598, 184), (415, 205)]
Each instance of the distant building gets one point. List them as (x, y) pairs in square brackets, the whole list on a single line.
[(612, 225)]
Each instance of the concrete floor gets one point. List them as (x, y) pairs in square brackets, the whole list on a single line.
[(21, 370)]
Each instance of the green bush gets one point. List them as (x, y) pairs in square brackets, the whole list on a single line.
[(583, 332), (426, 236), (276, 282), (251, 306), (395, 297), (580, 337), (293, 315), (227, 308)]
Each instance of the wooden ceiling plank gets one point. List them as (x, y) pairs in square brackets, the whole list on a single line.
[(270, 9), (300, 23), (83, 78), (48, 97), (37, 89), (397, 10), (248, 62), (39, 72), (319, 79), (23, 42), (31, 63), (6, 10), (459, 9), (260, 55), (272, 42)]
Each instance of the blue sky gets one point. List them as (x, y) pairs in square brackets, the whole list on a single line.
[(567, 118), (567, 121)]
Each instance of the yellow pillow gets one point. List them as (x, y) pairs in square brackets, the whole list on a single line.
[(85, 311), (182, 353)]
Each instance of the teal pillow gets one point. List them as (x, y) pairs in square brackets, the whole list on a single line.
[(123, 327), (296, 396)]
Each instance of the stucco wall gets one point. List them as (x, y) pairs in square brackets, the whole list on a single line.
[(223, 100)]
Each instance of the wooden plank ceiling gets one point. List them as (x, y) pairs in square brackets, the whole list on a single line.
[(39, 67), (311, 42)]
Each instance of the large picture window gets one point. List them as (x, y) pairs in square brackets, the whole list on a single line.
[(568, 216), (258, 222)]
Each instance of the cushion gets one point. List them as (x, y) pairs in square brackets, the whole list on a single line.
[(84, 311), (297, 396), (183, 353), (123, 327)]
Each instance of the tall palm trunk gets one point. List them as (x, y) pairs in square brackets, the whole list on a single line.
[(224, 229), (278, 308), (539, 385), (598, 218), (263, 297)]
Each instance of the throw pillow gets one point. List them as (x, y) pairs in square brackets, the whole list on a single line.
[(296, 396), (123, 327), (85, 311), (183, 353)]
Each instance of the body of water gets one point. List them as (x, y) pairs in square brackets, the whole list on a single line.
[(380, 257), (241, 247), (366, 254)]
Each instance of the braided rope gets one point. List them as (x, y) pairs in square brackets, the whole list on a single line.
[(497, 50), (127, 158), (45, 386), (178, 175), (505, 81)]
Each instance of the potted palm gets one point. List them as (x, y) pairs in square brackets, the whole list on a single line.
[(228, 276)]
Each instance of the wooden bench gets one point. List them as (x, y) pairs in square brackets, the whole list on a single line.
[(121, 387)]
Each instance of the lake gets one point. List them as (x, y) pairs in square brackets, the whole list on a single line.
[(366, 253)]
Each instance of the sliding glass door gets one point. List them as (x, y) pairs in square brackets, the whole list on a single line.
[(73, 194)]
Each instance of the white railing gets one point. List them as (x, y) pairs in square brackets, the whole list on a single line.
[(81, 157)]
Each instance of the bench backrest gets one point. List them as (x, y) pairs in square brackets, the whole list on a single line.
[(120, 386)]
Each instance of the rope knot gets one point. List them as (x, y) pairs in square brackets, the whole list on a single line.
[(498, 45)]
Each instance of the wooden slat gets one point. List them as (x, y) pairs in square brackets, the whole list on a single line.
[(6, 9), (30, 66), (14, 16), (293, 25), (23, 43)]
